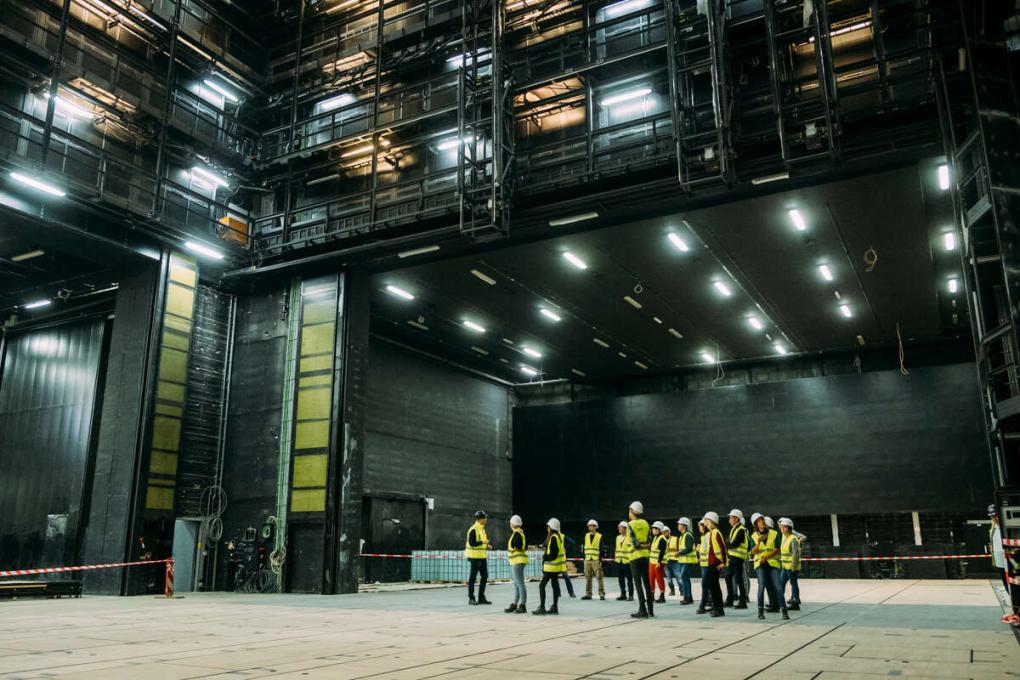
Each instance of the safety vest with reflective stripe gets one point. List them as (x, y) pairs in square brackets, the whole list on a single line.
[(706, 545), (639, 535), (768, 542), (738, 550), (517, 556), (673, 549), (559, 563), (786, 556), (623, 549), (692, 556), (592, 546), (656, 547), (477, 552)]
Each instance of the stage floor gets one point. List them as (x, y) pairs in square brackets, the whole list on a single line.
[(846, 629)]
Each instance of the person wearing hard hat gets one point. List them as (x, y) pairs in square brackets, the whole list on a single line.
[(593, 560), (476, 550), (657, 561), (622, 557), (641, 539), (554, 563), (672, 561), (687, 557), (737, 546), (713, 561), (789, 563), (766, 566), (702, 547), (517, 555)]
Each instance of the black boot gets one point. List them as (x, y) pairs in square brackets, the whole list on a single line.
[(482, 600), (700, 610), (521, 609), (639, 614), (630, 598), (741, 604), (586, 597), (786, 614), (555, 609), (761, 613), (672, 592), (717, 612), (622, 598), (472, 600), (794, 607), (511, 609), (687, 600), (662, 598), (540, 611)]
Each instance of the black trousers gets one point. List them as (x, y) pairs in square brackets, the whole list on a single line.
[(625, 577), (642, 585), (546, 577), (479, 567), (710, 584), (735, 585)]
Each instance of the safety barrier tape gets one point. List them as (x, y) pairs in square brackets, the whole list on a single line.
[(1011, 542), (55, 570), (803, 559)]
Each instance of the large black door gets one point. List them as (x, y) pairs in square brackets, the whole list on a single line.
[(394, 527)]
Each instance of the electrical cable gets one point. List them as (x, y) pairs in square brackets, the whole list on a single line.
[(899, 340), (870, 259)]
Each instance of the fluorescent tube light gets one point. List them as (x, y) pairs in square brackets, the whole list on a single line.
[(399, 292), (203, 249), (216, 87), (797, 219), (756, 323), (656, 319), (561, 221), (954, 285), (482, 277), (780, 349), (27, 256), (37, 304), (473, 326), (483, 352), (210, 177), (534, 353), (575, 260), (44, 187), (778, 177), (676, 334), (549, 314), (358, 151), (625, 7), (343, 5), (708, 357), (622, 355), (944, 177), (528, 370), (949, 240), (675, 239), (580, 373), (417, 251), (641, 365), (453, 143), (846, 311), (417, 324), (826, 273), (600, 343), (722, 288), (626, 96), (632, 302)]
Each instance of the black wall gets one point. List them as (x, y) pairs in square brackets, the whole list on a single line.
[(47, 397), (434, 430), (861, 443)]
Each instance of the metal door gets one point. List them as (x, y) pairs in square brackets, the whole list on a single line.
[(394, 527)]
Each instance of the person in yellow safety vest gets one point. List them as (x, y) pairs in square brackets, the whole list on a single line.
[(517, 555), (657, 561), (622, 557), (554, 563), (702, 547), (713, 561), (593, 560), (766, 566), (641, 539), (476, 550), (672, 561), (737, 546), (687, 555), (789, 562)]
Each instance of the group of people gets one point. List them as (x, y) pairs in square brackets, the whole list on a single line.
[(651, 557)]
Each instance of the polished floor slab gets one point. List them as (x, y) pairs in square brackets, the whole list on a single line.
[(847, 629)]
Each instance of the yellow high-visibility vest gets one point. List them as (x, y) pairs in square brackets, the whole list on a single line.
[(656, 547), (623, 549), (592, 546), (640, 532), (786, 556), (738, 551), (558, 565), (517, 556), (477, 552), (768, 542), (706, 541), (673, 549), (692, 556)]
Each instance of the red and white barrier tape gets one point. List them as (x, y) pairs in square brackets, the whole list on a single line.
[(803, 559), (88, 567), (1011, 542)]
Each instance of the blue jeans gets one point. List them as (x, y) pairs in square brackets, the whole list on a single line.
[(768, 578), (791, 577), (673, 574), (520, 589), (685, 581)]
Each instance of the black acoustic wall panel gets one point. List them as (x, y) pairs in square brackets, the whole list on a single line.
[(47, 398), (434, 431), (869, 443)]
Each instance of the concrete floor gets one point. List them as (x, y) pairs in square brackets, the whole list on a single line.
[(849, 629)]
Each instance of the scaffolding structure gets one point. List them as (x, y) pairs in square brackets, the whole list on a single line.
[(347, 122)]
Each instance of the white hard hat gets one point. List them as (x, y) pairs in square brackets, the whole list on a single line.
[(769, 523), (755, 517), (516, 521), (657, 525), (736, 513), (638, 507), (712, 516), (686, 521), (591, 521), (553, 524), (785, 522), (665, 527), (622, 524)]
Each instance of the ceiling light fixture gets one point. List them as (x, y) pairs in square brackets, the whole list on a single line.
[(534, 353), (600, 343), (219, 89), (708, 357), (69, 108), (641, 365), (45, 187), (343, 5), (780, 349), (944, 177), (626, 96), (765, 179), (583, 217), (632, 302), (208, 177), (622, 355), (621, 8), (756, 323), (723, 289), (675, 239), (846, 311), (797, 219), (448, 144), (417, 324), (954, 285), (203, 250), (37, 304), (826, 273), (676, 334), (549, 314), (580, 373), (27, 256), (483, 352), (399, 292), (482, 277), (473, 326), (417, 251), (656, 319), (528, 370), (949, 240), (358, 151), (508, 341), (575, 260)]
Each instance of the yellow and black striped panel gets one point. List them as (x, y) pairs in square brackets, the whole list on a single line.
[(171, 382), (314, 395)]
